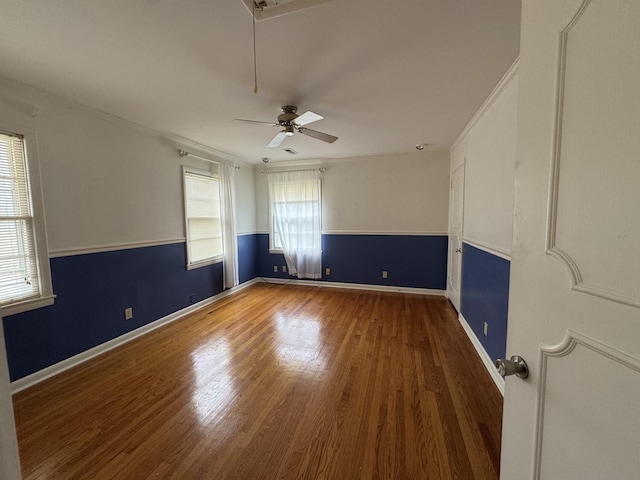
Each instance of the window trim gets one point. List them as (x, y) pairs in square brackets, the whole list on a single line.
[(272, 249), (46, 297), (206, 261)]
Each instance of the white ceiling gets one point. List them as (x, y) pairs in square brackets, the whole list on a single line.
[(386, 75)]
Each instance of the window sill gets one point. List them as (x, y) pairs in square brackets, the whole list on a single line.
[(276, 250), (27, 305), (204, 263)]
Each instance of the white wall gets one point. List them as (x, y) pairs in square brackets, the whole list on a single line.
[(245, 200), (105, 181), (488, 147), (395, 194)]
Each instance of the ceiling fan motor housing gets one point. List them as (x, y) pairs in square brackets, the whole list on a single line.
[(288, 116)]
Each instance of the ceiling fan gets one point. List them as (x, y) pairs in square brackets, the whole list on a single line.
[(290, 121)]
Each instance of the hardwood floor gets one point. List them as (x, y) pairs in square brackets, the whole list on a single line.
[(275, 381)]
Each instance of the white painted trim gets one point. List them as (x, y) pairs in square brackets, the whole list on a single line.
[(493, 250), (484, 356), (354, 286), (34, 184), (205, 263), (488, 103), (67, 252), (364, 232), (275, 166), (26, 305), (71, 362)]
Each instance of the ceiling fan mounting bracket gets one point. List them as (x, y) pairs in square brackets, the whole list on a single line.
[(266, 9)]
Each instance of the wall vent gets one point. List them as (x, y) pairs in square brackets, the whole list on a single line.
[(290, 150), (266, 9)]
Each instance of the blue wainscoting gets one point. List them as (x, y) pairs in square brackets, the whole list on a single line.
[(92, 292), (247, 257), (94, 289), (267, 261), (417, 261), (485, 297)]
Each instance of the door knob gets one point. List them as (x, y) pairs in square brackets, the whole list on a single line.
[(516, 366)]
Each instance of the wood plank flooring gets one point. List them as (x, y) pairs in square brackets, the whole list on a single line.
[(275, 382)]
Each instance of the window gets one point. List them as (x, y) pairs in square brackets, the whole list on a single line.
[(203, 217), (299, 206), (295, 199), (25, 277)]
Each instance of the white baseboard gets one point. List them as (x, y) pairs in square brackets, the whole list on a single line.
[(71, 362), (354, 286), (484, 356)]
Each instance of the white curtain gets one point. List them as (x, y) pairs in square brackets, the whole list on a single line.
[(229, 240), (295, 210)]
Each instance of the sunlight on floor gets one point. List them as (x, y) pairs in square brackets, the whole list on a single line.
[(215, 392), (300, 344)]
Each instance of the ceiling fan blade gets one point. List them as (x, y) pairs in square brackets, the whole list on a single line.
[(277, 140), (255, 122), (307, 117), (325, 137)]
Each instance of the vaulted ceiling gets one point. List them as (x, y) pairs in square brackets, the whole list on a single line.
[(385, 75)]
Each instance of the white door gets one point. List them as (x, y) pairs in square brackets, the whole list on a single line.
[(9, 459), (575, 275), (456, 206)]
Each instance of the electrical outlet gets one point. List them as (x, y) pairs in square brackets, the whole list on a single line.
[(275, 268), (128, 313), (486, 329), (384, 274), (284, 268), (327, 271)]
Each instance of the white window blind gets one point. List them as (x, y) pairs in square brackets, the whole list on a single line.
[(19, 278), (202, 212)]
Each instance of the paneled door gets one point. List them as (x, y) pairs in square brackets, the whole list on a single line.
[(9, 459), (574, 312), (456, 209)]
